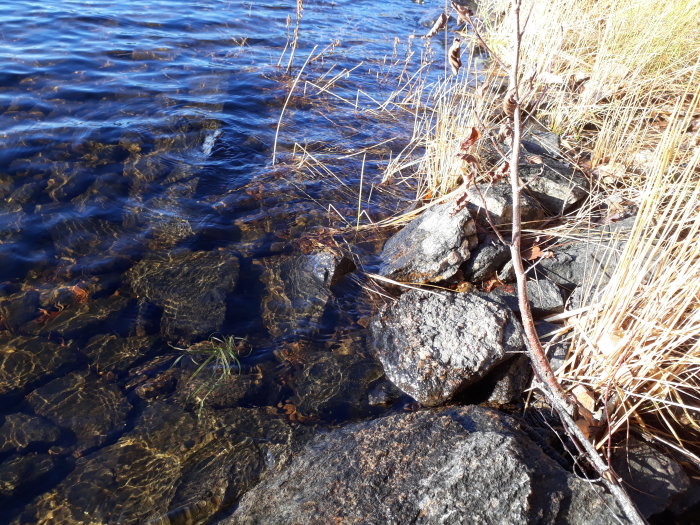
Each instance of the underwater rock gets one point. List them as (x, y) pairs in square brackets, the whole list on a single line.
[(432, 345), (458, 465), (555, 185), (80, 320), (486, 259), (19, 431), (19, 472), (111, 353), (90, 407), (298, 288), (190, 287), (432, 247), (24, 360), (19, 309)]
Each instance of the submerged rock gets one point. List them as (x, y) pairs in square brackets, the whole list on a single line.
[(19, 472), (460, 465), (190, 287), (19, 309), (20, 431), (432, 345), (109, 352), (432, 247)]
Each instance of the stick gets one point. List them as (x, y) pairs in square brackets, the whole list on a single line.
[(553, 391)]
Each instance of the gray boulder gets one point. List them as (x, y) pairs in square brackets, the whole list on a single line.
[(545, 297), (498, 200), (432, 345), (432, 247), (555, 185), (486, 259), (460, 465)]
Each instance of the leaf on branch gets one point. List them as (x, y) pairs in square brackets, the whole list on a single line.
[(474, 135), (535, 252), (439, 25), (454, 56), (505, 133), (510, 103), (500, 172), (469, 158), (462, 12), (534, 159)]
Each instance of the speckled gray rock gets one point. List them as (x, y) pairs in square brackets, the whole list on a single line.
[(486, 259), (499, 202), (460, 465), (432, 345), (545, 297), (509, 380), (432, 247), (555, 185)]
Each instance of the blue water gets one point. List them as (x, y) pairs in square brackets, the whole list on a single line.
[(134, 128)]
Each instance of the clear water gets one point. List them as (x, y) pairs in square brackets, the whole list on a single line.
[(144, 131)]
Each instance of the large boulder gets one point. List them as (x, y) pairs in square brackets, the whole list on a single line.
[(459, 465), (432, 247), (432, 345)]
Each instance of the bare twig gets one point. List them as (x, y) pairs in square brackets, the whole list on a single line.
[(556, 396)]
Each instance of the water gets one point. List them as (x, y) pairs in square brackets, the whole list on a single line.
[(140, 214)]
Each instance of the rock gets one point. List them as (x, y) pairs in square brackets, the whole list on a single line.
[(555, 185), (19, 431), (653, 480), (556, 348), (382, 394), (190, 287), (507, 273), (459, 465), (91, 408), (432, 247), (589, 261), (24, 360), (432, 345), (19, 472), (78, 320), (545, 297), (499, 202), (19, 309), (109, 352), (509, 380), (486, 259), (298, 288)]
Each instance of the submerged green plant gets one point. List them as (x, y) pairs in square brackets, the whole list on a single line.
[(221, 354)]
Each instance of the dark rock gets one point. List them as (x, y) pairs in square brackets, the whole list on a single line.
[(432, 345), (298, 288), (109, 352), (460, 465), (190, 287), (545, 297), (24, 360), (384, 393), (91, 316), (90, 407), (555, 185), (498, 199), (554, 346), (432, 247), (507, 273), (653, 480), (19, 472), (21, 430), (509, 380), (19, 309), (486, 259)]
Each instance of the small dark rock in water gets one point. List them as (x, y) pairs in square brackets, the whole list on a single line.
[(91, 408), (24, 360), (555, 185), (653, 480), (486, 259), (190, 287), (19, 472), (298, 288), (459, 465), (432, 247), (19, 309), (22, 430), (432, 345)]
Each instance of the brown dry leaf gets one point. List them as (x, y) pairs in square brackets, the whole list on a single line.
[(470, 159), (535, 252), (584, 396), (534, 159), (611, 172), (81, 296), (462, 12), (454, 56), (439, 25), (500, 172), (509, 103), (474, 135)]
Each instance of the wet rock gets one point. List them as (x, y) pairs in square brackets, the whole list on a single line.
[(78, 320), (461, 465), (19, 472), (91, 408), (297, 290), (74, 237), (589, 261), (382, 394), (432, 345), (19, 309), (24, 360), (654, 481), (555, 185), (432, 247), (486, 259), (109, 352), (498, 200), (545, 297), (190, 287), (19, 431)]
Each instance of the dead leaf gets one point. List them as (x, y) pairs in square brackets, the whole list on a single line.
[(462, 12), (81, 296), (501, 171), (474, 135), (535, 252), (534, 159), (439, 25), (510, 103), (454, 56)]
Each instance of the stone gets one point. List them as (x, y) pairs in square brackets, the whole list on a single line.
[(91, 408), (545, 297), (498, 200), (507, 273), (111, 353), (457, 465), (297, 290), (20, 431), (432, 247), (19, 309), (653, 480), (555, 185), (19, 472), (485, 260), (432, 345), (79, 320), (509, 380), (190, 287), (555, 347)]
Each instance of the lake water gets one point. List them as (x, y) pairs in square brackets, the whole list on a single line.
[(141, 214)]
